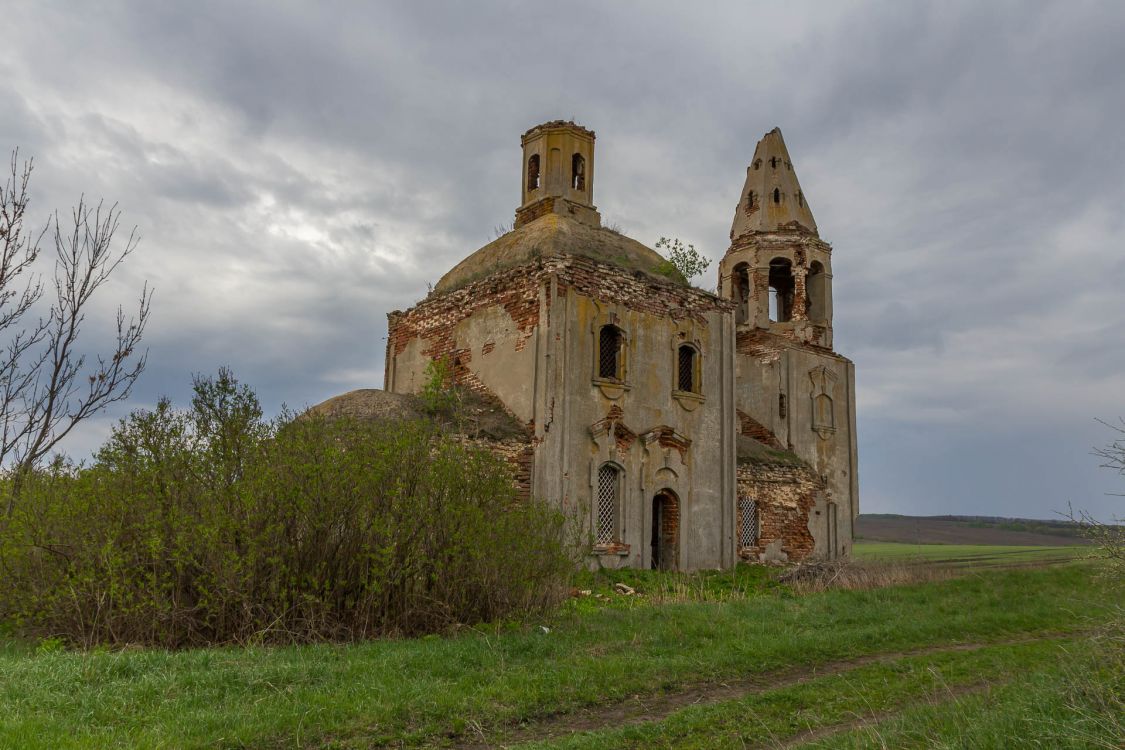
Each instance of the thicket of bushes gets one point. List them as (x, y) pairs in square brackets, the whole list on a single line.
[(212, 525)]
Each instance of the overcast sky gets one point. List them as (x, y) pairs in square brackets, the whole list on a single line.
[(297, 170)]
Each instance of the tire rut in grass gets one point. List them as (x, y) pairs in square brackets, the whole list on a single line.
[(643, 709), (872, 719)]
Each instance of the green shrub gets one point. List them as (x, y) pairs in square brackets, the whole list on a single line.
[(211, 525)]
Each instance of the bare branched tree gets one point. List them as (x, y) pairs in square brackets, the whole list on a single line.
[(1113, 454), (48, 384), (1110, 536)]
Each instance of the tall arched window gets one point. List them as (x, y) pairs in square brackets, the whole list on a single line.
[(609, 500), (578, 172), (747, 522), (687, 368), (611, 359), (781, 290), (533, 172), (777, 195), (740, 289), (815, 287)]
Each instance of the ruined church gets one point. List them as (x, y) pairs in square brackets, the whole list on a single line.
[(683, 429)]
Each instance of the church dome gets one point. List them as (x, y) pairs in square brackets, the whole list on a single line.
[(556, 235)]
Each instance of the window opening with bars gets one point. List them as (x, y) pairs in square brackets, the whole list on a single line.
[(609, 353), (608, 489), (747, 522), (686, 370)]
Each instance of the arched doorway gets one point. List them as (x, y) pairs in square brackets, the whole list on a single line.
[(665, 535)]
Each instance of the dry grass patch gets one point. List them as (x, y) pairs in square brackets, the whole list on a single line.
[(851, 575)]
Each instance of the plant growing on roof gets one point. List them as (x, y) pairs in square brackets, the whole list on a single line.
[(683, 258)]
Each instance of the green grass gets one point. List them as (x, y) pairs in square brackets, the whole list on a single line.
[(967, 554), (415, 692), (1077, 701), (782, 714)]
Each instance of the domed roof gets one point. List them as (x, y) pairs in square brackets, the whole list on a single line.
[(471, 413), (553, 235), (370, 403)]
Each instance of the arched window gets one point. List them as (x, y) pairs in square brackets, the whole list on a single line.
[(740, 292), (776, 195), (800, 199), (578, 172), (815, 287), (533, 172), (773, 162), (611, 359), (750, 204), (757, 164), (781, 290), (687, 368), (609, 495), (747, 522)]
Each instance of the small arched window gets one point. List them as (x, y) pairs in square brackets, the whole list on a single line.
[(800, 199), (757, 164), (740, 292), (687, 368), (815, 290), (750, 201), (611, 359), (533, 172), (777, 195), (578, 172), (609, 494), (773, 162)]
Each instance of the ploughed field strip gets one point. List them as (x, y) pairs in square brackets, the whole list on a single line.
[(649, 713)]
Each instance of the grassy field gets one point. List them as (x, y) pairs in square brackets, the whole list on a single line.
[(721, 660), (969, 554)]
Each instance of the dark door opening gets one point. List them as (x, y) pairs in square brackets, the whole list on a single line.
[(665, 530)]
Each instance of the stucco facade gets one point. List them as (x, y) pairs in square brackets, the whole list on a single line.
[(681, 429)]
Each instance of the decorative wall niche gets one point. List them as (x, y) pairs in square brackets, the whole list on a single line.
[(823, 406)]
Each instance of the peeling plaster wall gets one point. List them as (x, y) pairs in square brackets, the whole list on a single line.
[(528, 336), (487, 331), (771, 367), (791, 503), (661, 439)]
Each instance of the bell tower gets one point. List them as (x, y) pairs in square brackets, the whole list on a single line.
[(778, 271), (558, 173)]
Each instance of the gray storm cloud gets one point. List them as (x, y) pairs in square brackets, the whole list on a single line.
[(298, 170)]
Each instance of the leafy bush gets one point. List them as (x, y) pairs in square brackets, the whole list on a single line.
[(212, 525), (683, 260)]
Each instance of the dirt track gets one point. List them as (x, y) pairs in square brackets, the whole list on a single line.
[(641, 709)]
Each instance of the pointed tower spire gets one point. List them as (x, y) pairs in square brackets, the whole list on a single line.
[(772, 199)]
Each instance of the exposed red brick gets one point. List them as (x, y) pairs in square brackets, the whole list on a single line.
[(785, 495), (752, 428)]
